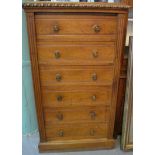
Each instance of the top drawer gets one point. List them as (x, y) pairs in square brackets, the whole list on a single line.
[(75, 24)]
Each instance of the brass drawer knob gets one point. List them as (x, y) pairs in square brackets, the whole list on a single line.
[(96, 28), (94, 77), (94, 97), (61, 133), (59, 98), (56, 28), (57, 54), (58, 77), (59, 116), (92, 132), (93, 114), (95, 54)]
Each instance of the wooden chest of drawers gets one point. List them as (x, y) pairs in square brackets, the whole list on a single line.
[(76, 52)]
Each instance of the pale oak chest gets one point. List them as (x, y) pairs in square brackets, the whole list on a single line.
[(76, 51)]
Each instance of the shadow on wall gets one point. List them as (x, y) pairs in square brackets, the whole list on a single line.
[(29, 121)]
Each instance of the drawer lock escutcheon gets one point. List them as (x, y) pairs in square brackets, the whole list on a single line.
[(95, 54), (61, 133), (93, 114), (96, 28), (92, 132), (59, 98), (57, 54), (59, 116), (58, 77), (94, 97), (94, 77), (56, 28)]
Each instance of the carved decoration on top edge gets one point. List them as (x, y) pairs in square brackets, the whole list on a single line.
[(73, 5)]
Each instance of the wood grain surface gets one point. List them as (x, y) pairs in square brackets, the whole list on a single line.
[(78, 54)]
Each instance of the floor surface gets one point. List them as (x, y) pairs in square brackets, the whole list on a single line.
[(29, 147)]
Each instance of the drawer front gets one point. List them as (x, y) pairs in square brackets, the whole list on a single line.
[(74, 24), (76, 74), (76, 54), (76, 98), (78, 114), (77, 131)]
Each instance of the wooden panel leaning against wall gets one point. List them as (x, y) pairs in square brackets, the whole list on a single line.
[(127, 130)]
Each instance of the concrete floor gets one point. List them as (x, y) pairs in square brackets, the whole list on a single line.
[(29, 147)]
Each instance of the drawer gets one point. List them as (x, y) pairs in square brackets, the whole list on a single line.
[(50, 75), (78, 114), (75, 24), (76, 54), (72, 98), (77, 131)]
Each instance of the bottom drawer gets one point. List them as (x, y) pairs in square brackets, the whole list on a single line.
[(77, 131)]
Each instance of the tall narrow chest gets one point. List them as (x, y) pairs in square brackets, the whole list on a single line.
[(76, 52)]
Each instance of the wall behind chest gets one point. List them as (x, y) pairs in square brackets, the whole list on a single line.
[(29, 121)]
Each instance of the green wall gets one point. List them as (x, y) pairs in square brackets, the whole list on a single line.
[(29, 121)]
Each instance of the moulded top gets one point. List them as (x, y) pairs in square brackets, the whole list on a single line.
[(93, 5)]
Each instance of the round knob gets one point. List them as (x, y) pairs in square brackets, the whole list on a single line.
[(57, 54), (94, 97), (96, 28), (59, 98), (95, 54), (94, 77), (93, 114), (92, 132), (58, 77), (59, 116), (61, 133), (56, 28)]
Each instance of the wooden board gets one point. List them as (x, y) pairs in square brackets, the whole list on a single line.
[(127, 133)]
